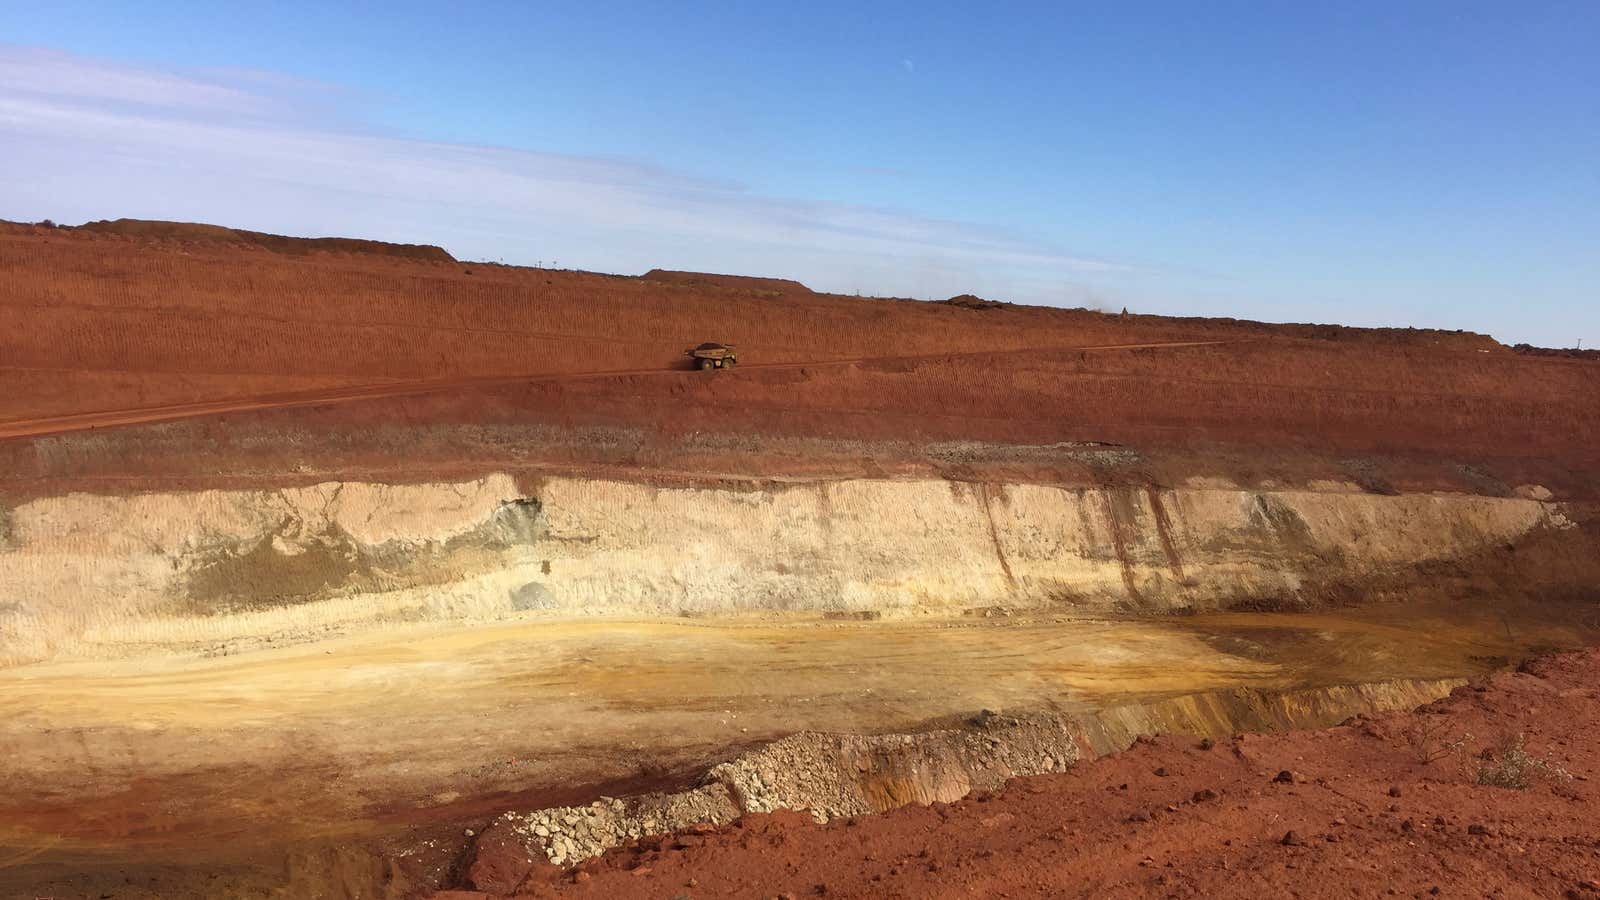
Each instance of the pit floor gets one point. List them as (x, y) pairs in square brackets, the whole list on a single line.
[(173, 760)]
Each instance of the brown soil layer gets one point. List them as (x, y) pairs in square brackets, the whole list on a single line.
[(1406, 804)]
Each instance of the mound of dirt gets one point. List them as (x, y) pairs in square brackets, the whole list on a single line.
[(1457, 340), (195, 231), (737, 282), (1567, 352), (973, 301)]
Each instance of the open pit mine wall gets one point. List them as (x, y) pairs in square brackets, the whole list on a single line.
[(86, 574)]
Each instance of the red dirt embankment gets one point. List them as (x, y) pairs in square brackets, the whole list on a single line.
[(96, 324), (277, 243), (738, 282), (1435, 802)]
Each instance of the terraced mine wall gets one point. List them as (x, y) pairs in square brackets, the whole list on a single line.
[(99, 323), (219, 570)]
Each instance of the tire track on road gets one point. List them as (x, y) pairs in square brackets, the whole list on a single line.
[(39, 426)]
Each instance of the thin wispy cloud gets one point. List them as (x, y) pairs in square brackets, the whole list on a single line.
[(100, 139), (50, 74)]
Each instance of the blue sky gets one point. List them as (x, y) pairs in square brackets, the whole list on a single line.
[(1429, 164)]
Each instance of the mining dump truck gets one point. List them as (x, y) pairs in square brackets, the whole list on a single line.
[(712, 356)]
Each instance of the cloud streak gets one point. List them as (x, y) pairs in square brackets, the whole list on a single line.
[(93, 138)]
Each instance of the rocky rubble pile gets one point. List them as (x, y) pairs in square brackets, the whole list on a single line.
[(833, 775), (572, 833), (828, 775)]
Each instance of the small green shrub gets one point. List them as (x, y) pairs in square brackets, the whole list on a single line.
[(1512, 766)]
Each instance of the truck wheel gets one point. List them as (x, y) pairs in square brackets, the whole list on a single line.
[(707, 364), (729, 363)]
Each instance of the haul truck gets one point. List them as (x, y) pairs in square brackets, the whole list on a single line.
[(713, 356)]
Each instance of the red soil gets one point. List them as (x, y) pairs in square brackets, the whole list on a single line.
[(108, 326), (1350, 811)]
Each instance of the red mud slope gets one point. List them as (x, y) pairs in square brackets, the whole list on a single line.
[(1435, 802)]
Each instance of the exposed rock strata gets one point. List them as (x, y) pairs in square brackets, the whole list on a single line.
[(216, 569)]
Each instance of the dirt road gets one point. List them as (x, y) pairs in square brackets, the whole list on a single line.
[(35, 427)]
